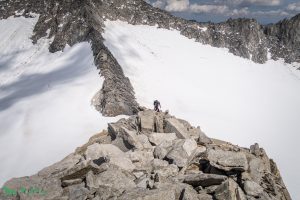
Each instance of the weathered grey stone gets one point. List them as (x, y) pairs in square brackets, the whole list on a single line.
[(158, 138), (229, 190), (49, 188), (181, 152), (142, 182), (115, 178), (204, 196), (103, 171), (227, 160), (204, 180), (172, 125), (141, 159), (256, 169), (77, 192), (162, 149), (211, 189), (189, 194), (151, 121), (253, 189), (254, 149), (130, 137), (158, 164), (115, 155), (170, 170), (143, 194), (63, 165), (105, 193), (202, 138)]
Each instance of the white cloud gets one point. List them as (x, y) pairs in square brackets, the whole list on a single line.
[(159, 4), (254, 2), (239, 12), (271, 13), (177, 5), (294, 7), (227, 7), (218, 9)]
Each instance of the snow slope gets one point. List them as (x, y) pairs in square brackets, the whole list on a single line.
[(45, 108), (231, 98)]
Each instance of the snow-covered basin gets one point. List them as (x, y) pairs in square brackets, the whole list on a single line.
[(45, 100), (231, 98)]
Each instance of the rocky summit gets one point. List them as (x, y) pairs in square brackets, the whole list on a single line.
[(72, 21), (154, 156)]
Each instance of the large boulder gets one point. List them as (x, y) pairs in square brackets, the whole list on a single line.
[(229, 190), (126, 137), (161, 150), (181, 152), (227, 160), (113, 177), (173, 125), (38, 187), (158, 138), (151, 121), (112, 154), (144, 194), (184, 130), (203, 180), (253, 189), (141, 159)]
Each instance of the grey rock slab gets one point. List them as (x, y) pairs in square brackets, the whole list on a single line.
[(189, 194), (116, 178), (173, 125), (151, 121), (181, 152), (158, 138), (144, 194), (204, 180), (229, 190), (77, 192), (115, 155), (253, 189), (170, 170), (227, 160)]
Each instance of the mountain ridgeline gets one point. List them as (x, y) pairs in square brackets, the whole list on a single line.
[(73, 21), (154, 156)]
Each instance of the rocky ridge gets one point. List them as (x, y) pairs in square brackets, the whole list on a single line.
[(73, 21), (155, 156)]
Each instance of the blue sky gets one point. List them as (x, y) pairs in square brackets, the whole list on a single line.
[(265, 11)]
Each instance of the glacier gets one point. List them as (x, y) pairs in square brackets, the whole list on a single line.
[(231, 98)]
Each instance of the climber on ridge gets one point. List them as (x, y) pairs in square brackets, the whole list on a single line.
[(157, 106)]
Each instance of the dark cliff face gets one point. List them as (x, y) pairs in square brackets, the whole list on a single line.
[(284, 39), (74, 21)]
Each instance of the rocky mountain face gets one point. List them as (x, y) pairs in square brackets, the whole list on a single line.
[(73, 21), (154, 156)]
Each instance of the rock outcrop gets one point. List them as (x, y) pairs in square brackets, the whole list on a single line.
[(138, 159), (73, 21)]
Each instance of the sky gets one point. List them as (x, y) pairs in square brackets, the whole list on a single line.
[(265, 11)]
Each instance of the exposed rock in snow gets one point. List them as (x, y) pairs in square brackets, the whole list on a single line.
[(102, 171), (75, 21)]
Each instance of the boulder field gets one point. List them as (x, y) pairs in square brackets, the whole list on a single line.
[(154, 156)]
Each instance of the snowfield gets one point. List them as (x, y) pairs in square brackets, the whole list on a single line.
[(231, 98), (45, 100)]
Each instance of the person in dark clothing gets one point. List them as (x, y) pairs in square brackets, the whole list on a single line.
[(157, 106)]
